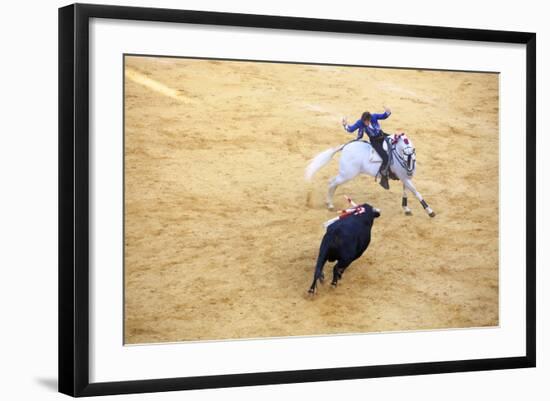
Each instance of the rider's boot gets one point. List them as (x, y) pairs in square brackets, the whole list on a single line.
[(384, 177), (384, 181)]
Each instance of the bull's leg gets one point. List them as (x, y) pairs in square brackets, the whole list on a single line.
[(406, 208), (322, 278), (332, 185), (317, 276), (337, 272), (410, 186)]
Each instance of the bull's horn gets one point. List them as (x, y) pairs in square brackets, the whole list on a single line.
[(376, 210), (351, 202)]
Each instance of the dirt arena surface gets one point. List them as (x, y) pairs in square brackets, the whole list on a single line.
[(222, 232)]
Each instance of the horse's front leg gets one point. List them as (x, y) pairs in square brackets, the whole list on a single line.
[(404, 205), (410, 186)]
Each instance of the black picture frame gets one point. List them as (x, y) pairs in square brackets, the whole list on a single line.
[(74, 193)]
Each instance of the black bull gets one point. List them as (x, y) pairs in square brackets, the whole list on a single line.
[(345, 240)]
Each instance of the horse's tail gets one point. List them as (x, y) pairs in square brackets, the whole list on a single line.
[(320, 160)]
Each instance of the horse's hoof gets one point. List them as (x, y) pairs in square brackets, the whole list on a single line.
[(330, 207), (408, 213), (432, 214), (334, 284), (311, 291)]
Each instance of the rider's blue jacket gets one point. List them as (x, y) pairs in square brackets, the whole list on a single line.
[(373, 130)]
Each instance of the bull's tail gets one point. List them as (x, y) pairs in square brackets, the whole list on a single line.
[(320, 160), (321, 260)]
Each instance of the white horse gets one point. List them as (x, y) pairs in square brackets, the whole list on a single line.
[(359, 157)]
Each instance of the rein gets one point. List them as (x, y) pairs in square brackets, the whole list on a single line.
[(402, 162)]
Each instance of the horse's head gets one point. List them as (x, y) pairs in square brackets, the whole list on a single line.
[(405, 151)]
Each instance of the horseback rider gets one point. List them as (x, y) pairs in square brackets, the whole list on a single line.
[(369, 123)]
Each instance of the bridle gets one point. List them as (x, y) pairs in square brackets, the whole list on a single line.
[(406, 160)]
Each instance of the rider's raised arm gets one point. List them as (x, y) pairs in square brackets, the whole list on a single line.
[(382, 116), (352, 128)]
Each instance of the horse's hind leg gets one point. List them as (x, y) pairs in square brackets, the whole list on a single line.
[(332, 185), (404, 205), (410, 186)]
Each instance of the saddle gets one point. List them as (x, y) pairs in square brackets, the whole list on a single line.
[(374, 157)]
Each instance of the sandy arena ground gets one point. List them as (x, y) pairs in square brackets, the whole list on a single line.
[(222, 231)]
